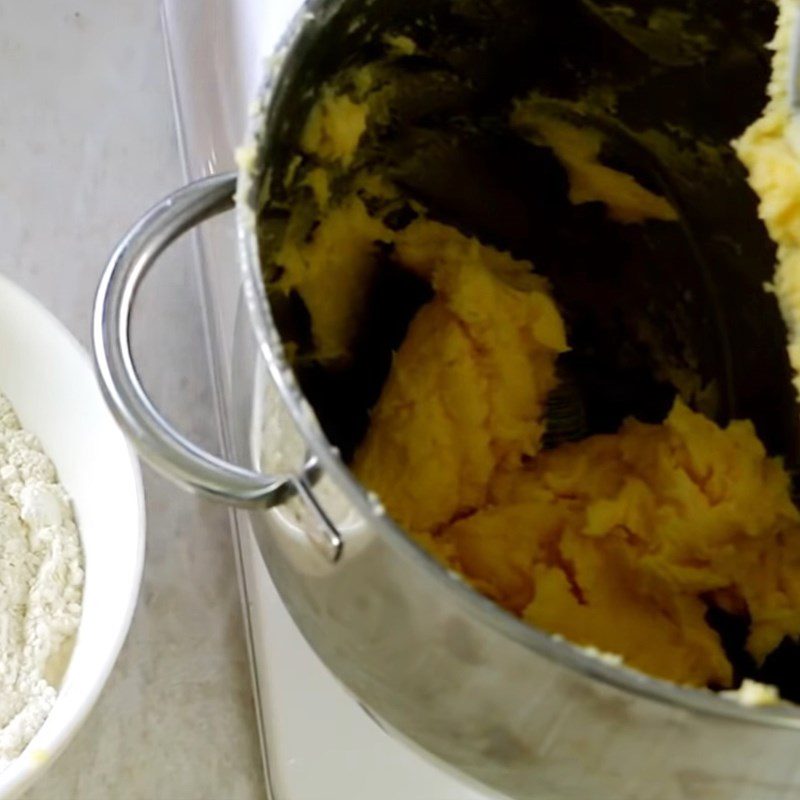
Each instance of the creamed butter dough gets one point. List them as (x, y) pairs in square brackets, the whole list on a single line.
[(578, 150), (770, 149), (618, 542)]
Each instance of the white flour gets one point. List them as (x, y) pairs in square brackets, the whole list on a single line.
[(41, 584)]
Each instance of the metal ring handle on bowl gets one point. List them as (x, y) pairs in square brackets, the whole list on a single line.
[(163, 447)]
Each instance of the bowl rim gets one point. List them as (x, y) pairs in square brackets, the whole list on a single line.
[(28, 767)]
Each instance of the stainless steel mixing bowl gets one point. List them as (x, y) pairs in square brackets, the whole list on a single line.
[(518, 710)]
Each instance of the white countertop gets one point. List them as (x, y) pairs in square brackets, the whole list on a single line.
[(87, 142)]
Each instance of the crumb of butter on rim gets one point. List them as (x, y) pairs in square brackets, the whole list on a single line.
[(377, 506), (754, 695), (274, 61), (612, 659), (246, 156)]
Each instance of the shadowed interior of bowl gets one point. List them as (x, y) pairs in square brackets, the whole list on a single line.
[(49, 379), (699, 285), (448, 145)]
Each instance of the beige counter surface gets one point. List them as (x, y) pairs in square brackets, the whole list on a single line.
[(87, 142)]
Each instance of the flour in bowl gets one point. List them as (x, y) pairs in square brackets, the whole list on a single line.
[(41, 584)]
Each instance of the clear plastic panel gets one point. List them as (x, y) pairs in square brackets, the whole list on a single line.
[(317, 743)]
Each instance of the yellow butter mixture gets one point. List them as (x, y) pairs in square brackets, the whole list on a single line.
[(621, 541), (770, 149)]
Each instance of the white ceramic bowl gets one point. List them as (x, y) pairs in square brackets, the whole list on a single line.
[(50, 381)]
